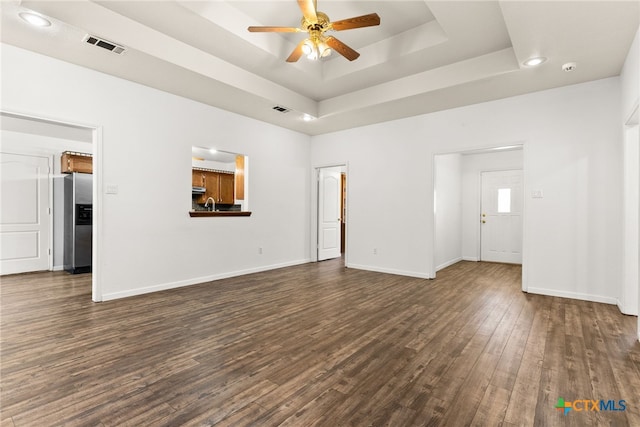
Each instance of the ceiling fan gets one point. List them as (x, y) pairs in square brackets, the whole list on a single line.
[(316, 23)]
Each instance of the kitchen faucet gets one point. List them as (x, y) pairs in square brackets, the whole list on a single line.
[(213, 204)]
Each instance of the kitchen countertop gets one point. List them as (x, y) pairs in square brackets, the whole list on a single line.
[(198, 214)]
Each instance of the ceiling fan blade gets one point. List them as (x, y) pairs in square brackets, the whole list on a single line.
[(297, 52), (342, 48), (357, 22), (274, 30), (308, 8)]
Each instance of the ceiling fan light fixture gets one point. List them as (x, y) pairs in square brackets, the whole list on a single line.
[(315, 47), (308, 47), (313, 55), (324, 50)]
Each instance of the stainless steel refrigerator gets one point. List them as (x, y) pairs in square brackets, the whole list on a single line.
[(78, 222)]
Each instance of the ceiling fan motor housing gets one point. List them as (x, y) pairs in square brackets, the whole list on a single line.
[(322, 24)]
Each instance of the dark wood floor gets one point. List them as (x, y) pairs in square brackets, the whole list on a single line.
[(315, 344)]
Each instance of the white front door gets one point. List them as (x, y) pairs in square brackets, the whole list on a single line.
[(329, 213), (501, 217), (24, 213)]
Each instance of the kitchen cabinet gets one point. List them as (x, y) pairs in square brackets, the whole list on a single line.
[(226, 189), (219, 186), (76, 162), (211, 182), (239, 177), (197, 178)]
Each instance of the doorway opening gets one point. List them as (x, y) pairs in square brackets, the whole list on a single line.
[(29, 139), (331, 212), (457, 193)]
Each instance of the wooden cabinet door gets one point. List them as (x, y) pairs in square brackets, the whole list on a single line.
[(197, 178), (212, 183), (226, 189)]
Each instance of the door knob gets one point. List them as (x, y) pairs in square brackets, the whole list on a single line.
[(483, 221)]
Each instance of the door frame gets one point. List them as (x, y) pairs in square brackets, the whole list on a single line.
[(629, 267), (630, 220), (315, 171), (525, 167), (98, 226)]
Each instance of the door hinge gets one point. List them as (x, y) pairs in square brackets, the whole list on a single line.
[(49, 211), (49, 251)]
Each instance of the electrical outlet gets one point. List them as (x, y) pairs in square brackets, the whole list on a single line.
[(259, 251), (536, 194), (375, 251)]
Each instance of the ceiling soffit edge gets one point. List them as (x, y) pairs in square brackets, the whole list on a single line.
[(473, 69)]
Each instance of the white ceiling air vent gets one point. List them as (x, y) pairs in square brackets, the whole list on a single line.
[(105, 44), (281, 109)]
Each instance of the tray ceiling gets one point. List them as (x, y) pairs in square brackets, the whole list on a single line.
[(424, 57)]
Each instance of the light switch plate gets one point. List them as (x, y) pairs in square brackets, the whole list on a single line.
[(112, 189), (536, 194)]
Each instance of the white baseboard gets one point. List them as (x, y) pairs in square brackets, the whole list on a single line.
[(448, 263), (470, 258), (419, 275), (197, 280), (57, 268), (572, 295), (623, 310)]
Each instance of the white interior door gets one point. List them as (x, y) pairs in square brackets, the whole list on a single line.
[(501, 217), (329, 231), (24, 213)]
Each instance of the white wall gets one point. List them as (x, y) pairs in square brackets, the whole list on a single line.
[(572, 237), (448, 210), (472, 166), (18, 142), (148, 241)]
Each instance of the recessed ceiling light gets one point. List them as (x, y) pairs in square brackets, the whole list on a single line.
[(34, 19), (213, 150), (532, 62), (307, 117)]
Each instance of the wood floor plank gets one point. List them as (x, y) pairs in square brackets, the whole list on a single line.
[(315, 344), (524, 394), (618, 348)]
